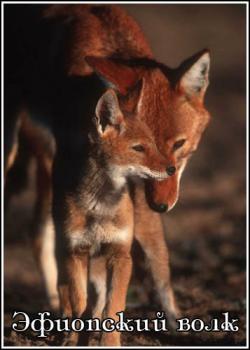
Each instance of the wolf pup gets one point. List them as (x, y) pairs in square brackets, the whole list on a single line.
[(96, 216)]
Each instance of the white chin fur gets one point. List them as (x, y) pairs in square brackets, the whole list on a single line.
[(180, 171), (173, 205)]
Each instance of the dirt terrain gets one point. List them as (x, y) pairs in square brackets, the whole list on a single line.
[(206, 231)]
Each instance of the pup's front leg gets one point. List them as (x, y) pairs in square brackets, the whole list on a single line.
[(73, 270), (98, 276), (119, 273)]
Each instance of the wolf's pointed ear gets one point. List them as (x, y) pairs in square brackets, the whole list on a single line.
[(116, 75), (108, 113), (193, 75), (131, 103)]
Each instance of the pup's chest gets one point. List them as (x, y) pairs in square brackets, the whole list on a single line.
[(102, 224), (101, 230)]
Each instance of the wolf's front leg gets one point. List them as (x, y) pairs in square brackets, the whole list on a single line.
[(150, 235), (119, 273), (42, 232)]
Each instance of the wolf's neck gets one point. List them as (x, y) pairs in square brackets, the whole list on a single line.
[(102, 185)]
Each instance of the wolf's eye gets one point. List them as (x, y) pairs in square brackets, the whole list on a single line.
[(178, 144), (139, 148)]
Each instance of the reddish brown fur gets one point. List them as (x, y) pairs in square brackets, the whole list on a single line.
[(103, 32), (98, 32), (85, 226), (136, 132)]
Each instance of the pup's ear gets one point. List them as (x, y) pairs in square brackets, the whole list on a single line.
[(116, 75), (193, 75), (108, 113)]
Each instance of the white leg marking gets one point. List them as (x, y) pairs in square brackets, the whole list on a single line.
[(48, 264)]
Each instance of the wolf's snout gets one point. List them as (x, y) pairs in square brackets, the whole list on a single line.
[(171, 170)]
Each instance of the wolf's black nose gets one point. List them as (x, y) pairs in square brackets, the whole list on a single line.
[(171, 170), (159, 208)]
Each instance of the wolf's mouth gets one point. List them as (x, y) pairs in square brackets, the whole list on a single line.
[(149, 192)]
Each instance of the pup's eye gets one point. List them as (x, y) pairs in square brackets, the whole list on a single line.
[(139, 148), (178, 144)]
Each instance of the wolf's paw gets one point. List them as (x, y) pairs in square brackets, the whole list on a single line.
[(172, 315)]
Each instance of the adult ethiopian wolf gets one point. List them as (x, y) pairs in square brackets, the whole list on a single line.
[(59, 58)]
